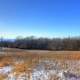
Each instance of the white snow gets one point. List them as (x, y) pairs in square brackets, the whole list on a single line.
[(5, 70)]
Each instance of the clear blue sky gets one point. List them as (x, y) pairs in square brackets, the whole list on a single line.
[(46, 18)]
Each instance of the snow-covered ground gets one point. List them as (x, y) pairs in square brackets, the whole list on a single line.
[(46, 70), (5, 70)]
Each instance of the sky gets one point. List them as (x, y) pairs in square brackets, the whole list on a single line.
[(40, 18)]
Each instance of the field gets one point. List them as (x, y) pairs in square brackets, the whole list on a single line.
[(16, 64)]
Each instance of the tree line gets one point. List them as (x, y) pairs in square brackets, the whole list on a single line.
[(42, 43)]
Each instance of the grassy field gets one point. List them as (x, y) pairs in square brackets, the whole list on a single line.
[(16, 64)]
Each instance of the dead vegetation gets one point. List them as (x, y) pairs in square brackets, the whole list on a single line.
[(28, 61)]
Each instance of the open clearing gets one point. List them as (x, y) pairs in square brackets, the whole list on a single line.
[(16, 64)]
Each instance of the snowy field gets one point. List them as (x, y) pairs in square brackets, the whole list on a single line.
[(32, 67), (45, 70)]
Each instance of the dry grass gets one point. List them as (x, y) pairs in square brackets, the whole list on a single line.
[(31, 58)]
